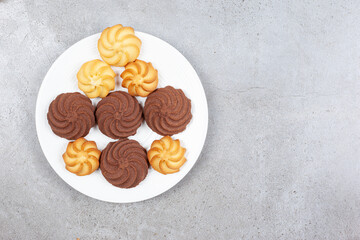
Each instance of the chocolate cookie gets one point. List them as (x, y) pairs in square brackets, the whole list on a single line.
[(71, 115), (167, 111), (119, 115), (124, 163)]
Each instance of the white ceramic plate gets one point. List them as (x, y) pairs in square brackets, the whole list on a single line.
[(173, 70)]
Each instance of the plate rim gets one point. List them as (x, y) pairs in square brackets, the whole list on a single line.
[(37, 121)]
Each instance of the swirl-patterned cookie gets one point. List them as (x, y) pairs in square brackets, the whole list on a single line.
[(81, 157), (118, 45), (167, 111), (124, 163), (119, 115), (140, 78), (166, 155), (71, 115), (96, 79)]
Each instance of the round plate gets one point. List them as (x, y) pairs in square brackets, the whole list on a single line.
[(173, 70)]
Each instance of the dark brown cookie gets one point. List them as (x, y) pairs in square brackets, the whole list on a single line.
[(167, 111), (71, 115), (124, 163), (119, 115)]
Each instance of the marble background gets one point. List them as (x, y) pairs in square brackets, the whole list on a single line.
[(281, 159)]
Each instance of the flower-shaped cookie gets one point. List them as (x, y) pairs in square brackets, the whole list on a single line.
[(118, 45), (166, 155), (71, 115), (124, 163), (96, 79), (81, 157), (140, 78), (167, 111), (119, 115)]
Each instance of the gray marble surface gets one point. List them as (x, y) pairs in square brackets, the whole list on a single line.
[(281, 159)]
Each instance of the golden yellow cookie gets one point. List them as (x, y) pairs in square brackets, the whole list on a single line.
[(166, 155), (118, 45), (140, 78), (81, 157), (96, 79)]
